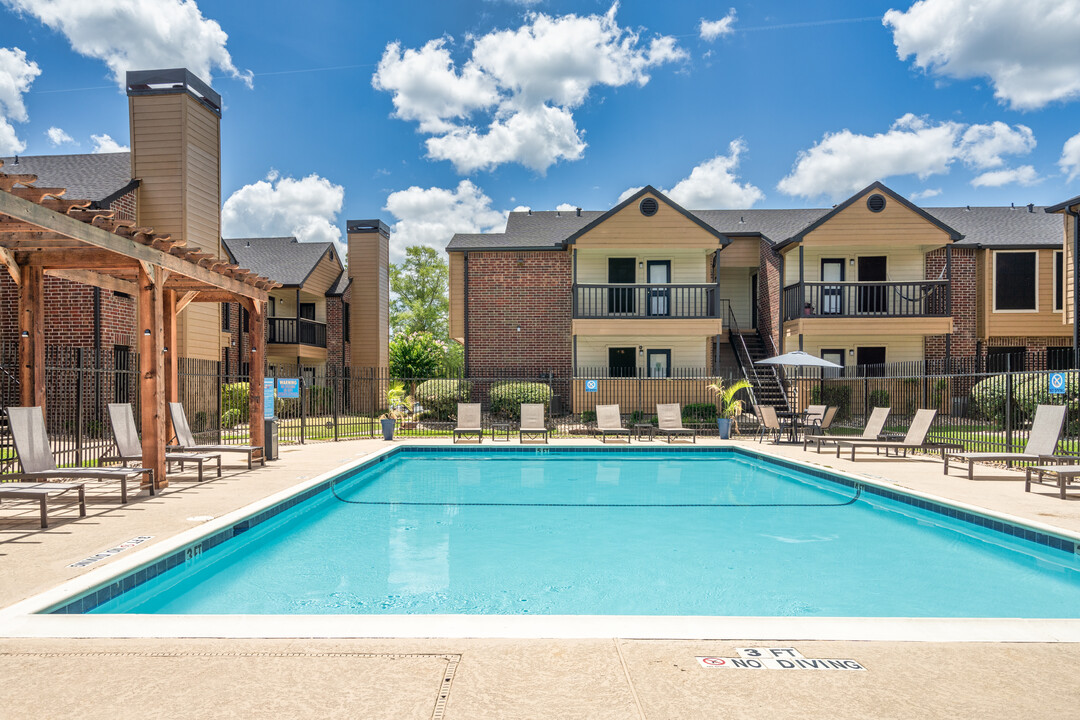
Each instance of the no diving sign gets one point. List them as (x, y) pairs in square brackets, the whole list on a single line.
[(778, 658), (1057, 384)]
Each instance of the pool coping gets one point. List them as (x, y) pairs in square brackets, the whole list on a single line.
[(23, 620)]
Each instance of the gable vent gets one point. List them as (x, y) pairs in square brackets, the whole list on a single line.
[(648, 206), (876, 203)]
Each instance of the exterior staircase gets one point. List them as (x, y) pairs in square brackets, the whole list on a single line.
[(768, 385)]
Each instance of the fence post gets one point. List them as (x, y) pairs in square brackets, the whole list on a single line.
[(334, 402), (866, 394), (220, 414), (1008, 403), (303, 408), (78, 406)]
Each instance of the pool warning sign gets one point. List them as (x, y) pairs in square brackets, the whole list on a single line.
[(775, 658)]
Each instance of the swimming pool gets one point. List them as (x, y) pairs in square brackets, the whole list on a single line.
[(569, 531)]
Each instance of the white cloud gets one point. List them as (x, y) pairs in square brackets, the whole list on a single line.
[(844, 162), (712, 29), (1070, 157), (566, 207), (1028, 49), (713, 184), (924, 194), (511, 101), (1023, 175), (57, 136), (138, 34), (628, 192), (105, 144), (281, 206), (431, 216), (17, 74)]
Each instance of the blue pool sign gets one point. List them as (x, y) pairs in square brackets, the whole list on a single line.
[(1057, 383), (591, 385), (268, 398), (288, 388)]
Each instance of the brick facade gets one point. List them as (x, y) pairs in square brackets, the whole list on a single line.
[(769, 288), (337, 347), (964, 303), (507, 290)]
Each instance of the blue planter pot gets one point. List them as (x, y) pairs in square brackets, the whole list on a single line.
[(724, 426), (387, 428)]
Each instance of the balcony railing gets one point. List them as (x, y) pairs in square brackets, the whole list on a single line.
[(647, 301), (918, 298), (296, 331)]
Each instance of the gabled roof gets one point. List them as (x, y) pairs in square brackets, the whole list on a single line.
[(284, 259), (340, 285), (648, 190), (774, 225), (99, 177), (881, 188), (1065, 205), (1002, 227)]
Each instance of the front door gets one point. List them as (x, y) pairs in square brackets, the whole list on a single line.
[(622, 362), (835, 356), (872, 356), (659, 363), (659, 273), (873, 299), (621, 300), (832, 296)]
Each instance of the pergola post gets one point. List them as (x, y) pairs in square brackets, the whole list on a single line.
[(152, 370), (171, 352), (257, 341), (32, 337)]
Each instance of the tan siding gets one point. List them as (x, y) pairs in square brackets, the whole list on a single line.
[(323, 276), (655, 327), (735, 287), (849, 327), (687, 266), (898, 348), (369, 268), (199, 327), (1043, 323), (901, 265), (1070, 283), (686, 352), (895, 224), (742, 252), (457, 296), (629, 228)]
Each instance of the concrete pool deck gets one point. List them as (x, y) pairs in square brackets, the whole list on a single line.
[(617, 678)]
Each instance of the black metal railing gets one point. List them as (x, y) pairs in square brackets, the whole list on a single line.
[(918, 298), (296, 331), (647, 301)]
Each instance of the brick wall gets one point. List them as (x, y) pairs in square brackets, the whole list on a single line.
[(508, 289), (964, 303), (769, 293), (1029, 343), (337, 349), (124, 206)]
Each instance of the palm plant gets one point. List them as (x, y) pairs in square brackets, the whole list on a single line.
[(729, 408)]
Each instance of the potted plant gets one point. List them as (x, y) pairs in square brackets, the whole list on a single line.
[(728, 407), (396, 402)]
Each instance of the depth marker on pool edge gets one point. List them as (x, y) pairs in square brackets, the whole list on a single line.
[(775, 658)]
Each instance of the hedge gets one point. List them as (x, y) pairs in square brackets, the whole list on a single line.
[(507, 396), (439, 398), (833, 395)]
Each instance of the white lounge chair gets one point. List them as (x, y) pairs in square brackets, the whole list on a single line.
[(129, 447), (1042, 441), (185, 440), (609, 422), (532, 422), (468, 422), (669, 421)]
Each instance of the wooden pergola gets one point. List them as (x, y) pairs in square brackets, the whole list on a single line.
[(42, 233)]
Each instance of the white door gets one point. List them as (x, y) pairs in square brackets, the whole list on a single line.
[(832, 296), (659, 273)]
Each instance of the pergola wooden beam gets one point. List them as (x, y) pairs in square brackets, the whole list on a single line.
[(183, 301), (151, 373), (32, 338), (7, 259), (96, 279), (50, 221)]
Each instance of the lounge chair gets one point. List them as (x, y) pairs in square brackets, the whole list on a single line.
[(185, 440), (41, 492), (874, 426), (669, 420), (129, 448), (609, 422), (770, 423), (1063, 474), (35, 455), (1042, 441), (532, 421), (915, 439), (468, 422)]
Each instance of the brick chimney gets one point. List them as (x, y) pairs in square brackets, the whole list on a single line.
[(369, 315)]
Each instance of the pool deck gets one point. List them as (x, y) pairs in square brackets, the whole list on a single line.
[(497, 678)]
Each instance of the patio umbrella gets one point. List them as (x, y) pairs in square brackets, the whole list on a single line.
[(798, 358)]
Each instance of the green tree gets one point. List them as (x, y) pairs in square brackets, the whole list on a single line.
[(419, 298)]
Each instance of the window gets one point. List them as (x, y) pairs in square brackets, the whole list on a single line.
[(346, 320), (659, 363), (874, 357), (1059, 280), (1015, 287), (307, 311), (226, 313), (835, 356)]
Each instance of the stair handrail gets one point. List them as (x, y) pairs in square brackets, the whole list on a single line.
[(777, 371), (733, 331)]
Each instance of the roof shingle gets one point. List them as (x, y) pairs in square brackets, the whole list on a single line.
[(284, 259), (93, 176)]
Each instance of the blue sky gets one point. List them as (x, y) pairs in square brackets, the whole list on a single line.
[(440, 117)]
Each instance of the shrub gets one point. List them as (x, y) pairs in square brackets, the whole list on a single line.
[(1032, 391), (506, 397), (231, 418), (588, 416), (699, 412), (234, 399), (417, 355), (879, 398), (988, 398), (837, 395), (439, 398), (319, 399)]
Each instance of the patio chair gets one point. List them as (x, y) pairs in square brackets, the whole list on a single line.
[(129, 448), (822, 423), (609, 422), (185, 440), (669, 419), (874, 426), (915, 439), (1042, 441), (468, 422), (814, 415), (770, 423), (41, 492), (32, 447), (532, 422)]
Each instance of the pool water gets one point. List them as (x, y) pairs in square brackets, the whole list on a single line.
[(611, 533)]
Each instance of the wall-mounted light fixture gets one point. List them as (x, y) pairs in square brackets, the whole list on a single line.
[(850, 351), (640, 350), (851, 261), (253, 349), (146, 332), (164, 350), (519, 328), (25, 334), (640, 264)]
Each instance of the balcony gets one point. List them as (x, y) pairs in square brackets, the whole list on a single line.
[(296, 331), (647, 302), (915, 299)]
